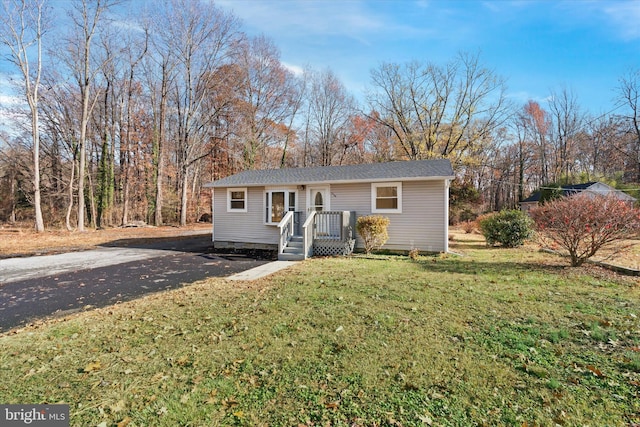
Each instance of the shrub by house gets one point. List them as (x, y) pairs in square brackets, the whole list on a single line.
[(373, 230), (510, 228)]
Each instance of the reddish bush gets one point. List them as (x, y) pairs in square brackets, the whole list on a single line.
[(584, 224), (469, 226)]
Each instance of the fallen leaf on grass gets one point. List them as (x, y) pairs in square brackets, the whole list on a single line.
[(426, 420), (160, 376), (212, 397), (230, 403), (597, 372), (332, 405), (124, 423), (92, 367), (119, 406)]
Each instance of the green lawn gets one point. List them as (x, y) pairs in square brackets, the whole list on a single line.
[(496, 337)]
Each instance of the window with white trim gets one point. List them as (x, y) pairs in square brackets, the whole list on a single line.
[(236, 199), (278, 203), (386, 197)]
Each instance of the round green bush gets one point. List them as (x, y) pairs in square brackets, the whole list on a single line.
[(510, 228)]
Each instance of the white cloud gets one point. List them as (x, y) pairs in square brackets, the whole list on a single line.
[(295, 69), (9, 98), (356, 20), (8, 101), (522, 97), (10, 105), (625, 17), (620, 18)]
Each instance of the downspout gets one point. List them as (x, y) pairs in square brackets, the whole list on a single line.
[(447, 183), (213, 193)]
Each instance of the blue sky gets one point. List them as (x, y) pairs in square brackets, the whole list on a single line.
[(537, 46)]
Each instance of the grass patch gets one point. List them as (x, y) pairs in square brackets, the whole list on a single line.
[(497, 337)]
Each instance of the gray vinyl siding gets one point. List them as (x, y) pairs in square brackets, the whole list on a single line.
[(242, 226), (422, 223), (246, 227)]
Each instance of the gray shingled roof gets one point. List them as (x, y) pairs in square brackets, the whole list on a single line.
[(428, 169), (568, 190)]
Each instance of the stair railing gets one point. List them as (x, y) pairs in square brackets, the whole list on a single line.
[(286, 227), (308, 233)]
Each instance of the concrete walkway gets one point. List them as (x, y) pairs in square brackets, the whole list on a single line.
[(262, 271)]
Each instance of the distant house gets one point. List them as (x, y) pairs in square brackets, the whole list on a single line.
[(312, 211), (589, 188)]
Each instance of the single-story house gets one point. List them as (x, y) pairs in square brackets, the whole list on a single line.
[(589, 188), (307, 211)]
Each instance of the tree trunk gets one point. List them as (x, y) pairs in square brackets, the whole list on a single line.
[(92, 202), (125, 191), (70, 195), (81, 166), (39, 222), (12, 214), (159, 149), (195, 189), (158, 190), (183, 197)]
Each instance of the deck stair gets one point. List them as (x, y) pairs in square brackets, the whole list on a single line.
[(294, 249)]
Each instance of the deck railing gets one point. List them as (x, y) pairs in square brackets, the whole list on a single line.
[(331, 225), (333, 228)]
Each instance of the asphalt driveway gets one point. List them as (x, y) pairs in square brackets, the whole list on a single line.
[(41, 286)]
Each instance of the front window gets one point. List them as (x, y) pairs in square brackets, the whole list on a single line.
[(386, 197), (278, 203), (237, 200)]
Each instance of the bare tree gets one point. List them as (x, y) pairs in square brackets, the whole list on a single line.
[(23, 25), (86, 17), (268, 98), (567, 122), (628, 93), (159, 72), (126, 99), (438, 111), (599, 144), (15, 159), (330, 110), (536, 123), (60, 109), (202, 37)]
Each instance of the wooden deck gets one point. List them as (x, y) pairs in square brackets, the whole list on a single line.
[(324, 233)]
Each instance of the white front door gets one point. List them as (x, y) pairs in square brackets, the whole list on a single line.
[(318, 199)]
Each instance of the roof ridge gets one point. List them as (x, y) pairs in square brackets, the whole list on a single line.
[(399, 169)]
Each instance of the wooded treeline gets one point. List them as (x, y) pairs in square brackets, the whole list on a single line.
[(126, 117)]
